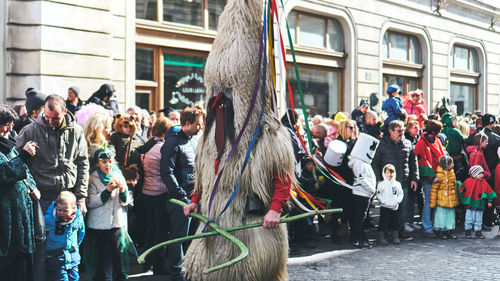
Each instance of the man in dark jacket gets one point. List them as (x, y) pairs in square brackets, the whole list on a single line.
[(177, 172), (491, 157), (396, 150)]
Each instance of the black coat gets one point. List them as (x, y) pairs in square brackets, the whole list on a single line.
[(490, 153), (401, 155)]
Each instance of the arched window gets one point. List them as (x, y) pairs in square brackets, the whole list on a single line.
[(319, 46), (402, 61), (464, 78)]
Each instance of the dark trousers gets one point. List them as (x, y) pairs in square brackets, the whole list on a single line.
[(389, 220), (57, 268), (157, 227), (178, 227), (39, 255), (18, 269), (359, 214), (108, 254)]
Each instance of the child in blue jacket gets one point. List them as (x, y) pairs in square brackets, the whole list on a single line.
[(393, 105), (65, 230)]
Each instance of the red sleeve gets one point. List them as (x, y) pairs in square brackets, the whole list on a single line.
[(195, 198), (281, 193)]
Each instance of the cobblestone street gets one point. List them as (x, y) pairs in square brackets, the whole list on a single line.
[(420, 259)]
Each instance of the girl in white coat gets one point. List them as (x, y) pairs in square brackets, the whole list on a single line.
[(107, 217), (389, 194)]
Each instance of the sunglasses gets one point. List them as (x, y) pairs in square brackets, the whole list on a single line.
[(351, 127), (105, 155)]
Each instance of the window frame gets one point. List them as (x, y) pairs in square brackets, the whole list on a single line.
[(470, 50), (326, 35), (409, 48), (160, 18)]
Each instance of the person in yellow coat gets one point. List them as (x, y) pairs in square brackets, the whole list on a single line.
[(444, 198)]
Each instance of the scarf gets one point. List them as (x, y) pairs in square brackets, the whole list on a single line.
[(6, 145), (107, 178)]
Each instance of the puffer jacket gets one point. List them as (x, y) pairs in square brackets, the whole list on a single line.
[(110, 213), (444, 194), (68, 241), (177, 162), (153, 185), (61, 162), (389, 193), (393, 106), (401, 155), (476, 157), (365, 181)]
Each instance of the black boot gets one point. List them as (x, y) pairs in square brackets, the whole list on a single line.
[(480, 235)]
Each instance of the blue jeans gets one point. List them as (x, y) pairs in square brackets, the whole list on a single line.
[(178, 227), (58, 271), (426, 211), (474, 218)]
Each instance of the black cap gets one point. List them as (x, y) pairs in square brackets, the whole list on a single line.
[(34, 99)]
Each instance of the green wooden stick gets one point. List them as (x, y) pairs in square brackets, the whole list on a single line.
[(142, 258)]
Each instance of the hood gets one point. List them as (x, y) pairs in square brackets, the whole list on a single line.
[(174, 131), (106, 90), (383, 174), (470, 149)]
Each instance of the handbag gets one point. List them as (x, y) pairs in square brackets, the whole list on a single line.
[(38, 220)]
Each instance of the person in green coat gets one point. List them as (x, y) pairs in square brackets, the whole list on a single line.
[(17, 237), (455, 145)]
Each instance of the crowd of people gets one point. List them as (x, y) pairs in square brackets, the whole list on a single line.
[(445, 165), (82, 184)]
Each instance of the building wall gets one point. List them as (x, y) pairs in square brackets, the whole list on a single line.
[(52, 45), (467, 23)]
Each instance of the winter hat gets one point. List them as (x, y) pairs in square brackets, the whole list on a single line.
[(340, 116), (475, 171), (447, 118), (75, 90), (363, 102), (34, 99), (393, 88), (488, 119)]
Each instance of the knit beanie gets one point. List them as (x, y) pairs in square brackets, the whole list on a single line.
[(475, 171), (488, 119), (34, 99), (393, 88), (75, 90)]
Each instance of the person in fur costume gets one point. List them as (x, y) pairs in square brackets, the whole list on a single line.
[(364, 186), (230, 76)]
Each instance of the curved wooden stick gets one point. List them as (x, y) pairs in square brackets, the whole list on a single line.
[(225, 233)]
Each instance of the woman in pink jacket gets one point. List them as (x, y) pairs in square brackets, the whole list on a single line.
[(155, 196)]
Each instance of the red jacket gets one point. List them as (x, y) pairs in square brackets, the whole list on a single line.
[(428, 155), (476, 157)]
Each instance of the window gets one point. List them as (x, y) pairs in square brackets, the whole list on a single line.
[(146, 9), (464, 58), (407, 84), (185, 12), (314, 31), (463, 96), (403, 47), (184, 84), (320, 87), (144, 63)]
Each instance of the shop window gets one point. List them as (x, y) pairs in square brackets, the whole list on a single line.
[(463, 96), (215, 8), (144, 63), (314, 31), (403, 47), (464, 58), (320, 87), (192, 12), (184, 84)]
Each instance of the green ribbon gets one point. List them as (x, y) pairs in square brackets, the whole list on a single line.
[(225, 233)]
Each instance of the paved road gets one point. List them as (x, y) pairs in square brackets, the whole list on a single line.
[(420, 259)]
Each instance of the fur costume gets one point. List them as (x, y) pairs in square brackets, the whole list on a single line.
[(232, 67)]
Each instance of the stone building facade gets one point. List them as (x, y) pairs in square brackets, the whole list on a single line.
[(154, 51)]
